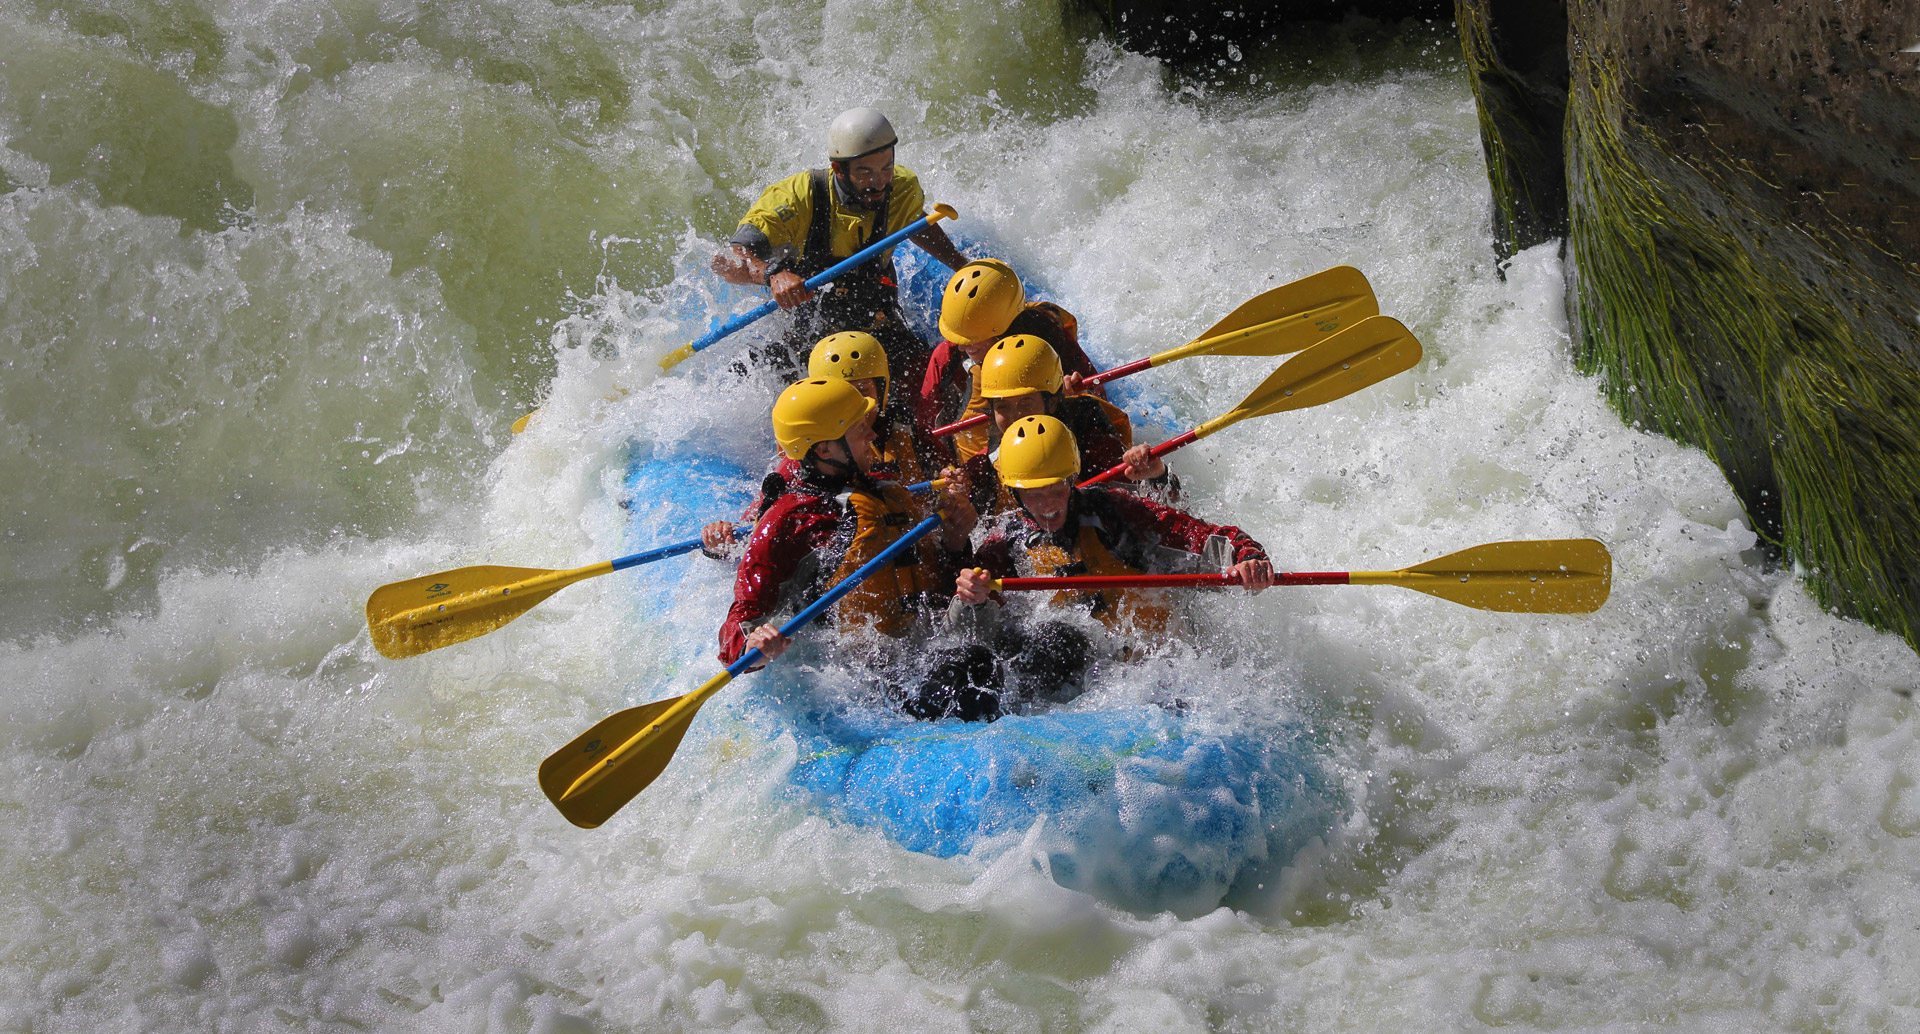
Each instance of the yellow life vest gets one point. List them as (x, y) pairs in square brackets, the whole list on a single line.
[(1139, 614), (888, 600)]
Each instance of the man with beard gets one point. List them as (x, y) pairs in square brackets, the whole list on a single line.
[(813, 219)]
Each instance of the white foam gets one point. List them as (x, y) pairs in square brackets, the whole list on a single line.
[(1695, 809)]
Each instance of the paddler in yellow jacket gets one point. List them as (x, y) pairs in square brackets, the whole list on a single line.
[(1059, 529), (813, 219)]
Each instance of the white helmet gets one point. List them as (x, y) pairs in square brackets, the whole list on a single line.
[(858, 132)]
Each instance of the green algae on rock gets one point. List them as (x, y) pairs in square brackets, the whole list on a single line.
[(1517, 66), (1745, 274)]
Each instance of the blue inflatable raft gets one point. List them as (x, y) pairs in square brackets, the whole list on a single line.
[(1145, 808)]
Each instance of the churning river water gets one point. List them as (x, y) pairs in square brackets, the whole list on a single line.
[(276, 276)]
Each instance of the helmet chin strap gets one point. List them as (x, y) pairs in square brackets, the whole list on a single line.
[(835, 469)]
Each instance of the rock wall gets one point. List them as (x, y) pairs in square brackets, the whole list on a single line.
[(1737, 184), (1743, 228), (1517, 65)]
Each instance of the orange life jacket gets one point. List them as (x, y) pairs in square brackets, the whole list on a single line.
[(890, 598), (1140, 614), (896, 459)]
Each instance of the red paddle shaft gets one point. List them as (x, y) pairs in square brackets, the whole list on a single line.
[(1165, 581), (1124, 369), (1159, 450)]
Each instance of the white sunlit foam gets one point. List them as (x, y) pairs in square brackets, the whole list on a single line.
[(1699, 803)]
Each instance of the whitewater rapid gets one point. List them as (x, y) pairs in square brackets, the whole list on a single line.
[(275, 277)]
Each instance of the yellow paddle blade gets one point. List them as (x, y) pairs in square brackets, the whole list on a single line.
[(1287, 318), (1541, 576), (412, 617), (603, 768), (1361, 355)]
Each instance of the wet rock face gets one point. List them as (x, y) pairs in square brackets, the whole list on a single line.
[(1743, 228), (1517, 62), (1815, 102)]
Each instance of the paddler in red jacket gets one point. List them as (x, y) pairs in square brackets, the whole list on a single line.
[(1062, 530), (831, 519), (984, 302), (858, 359), (1021, 376)]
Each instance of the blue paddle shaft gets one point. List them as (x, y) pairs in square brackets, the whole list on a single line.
[(814, 283), (677, 548), (663, 552), (852, 581)]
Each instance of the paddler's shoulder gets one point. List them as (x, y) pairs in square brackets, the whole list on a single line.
[(798, 185), (1044, 320)]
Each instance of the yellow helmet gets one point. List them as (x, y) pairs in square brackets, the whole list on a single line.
[(1020, 365), (1037, 451), (851, 355), (981, 301), (816, 410)]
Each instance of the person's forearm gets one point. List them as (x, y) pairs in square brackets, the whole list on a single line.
[(739, 266)]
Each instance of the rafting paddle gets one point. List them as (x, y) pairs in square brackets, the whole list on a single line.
[(412, 617), (1366, 353), (1537, 576), (1285, 319), (604, 767)]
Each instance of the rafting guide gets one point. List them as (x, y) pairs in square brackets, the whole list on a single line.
[(805, 223)]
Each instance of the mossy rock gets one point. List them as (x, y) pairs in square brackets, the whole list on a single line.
[(1744, 236), (1517, 66)]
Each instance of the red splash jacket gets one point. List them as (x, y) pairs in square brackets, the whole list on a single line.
[(950, 389), (1113, 532), (1150, 537), (804, 543)]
